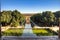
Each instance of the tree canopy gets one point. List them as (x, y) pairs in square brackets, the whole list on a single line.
[(12, 18), (15, 18), (46, 18)]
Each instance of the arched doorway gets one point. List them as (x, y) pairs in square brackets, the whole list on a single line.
[(27, 20)]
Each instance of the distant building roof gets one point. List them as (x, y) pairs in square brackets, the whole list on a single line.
[(28, 14)]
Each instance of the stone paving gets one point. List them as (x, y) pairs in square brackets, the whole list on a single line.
[(30, 38)]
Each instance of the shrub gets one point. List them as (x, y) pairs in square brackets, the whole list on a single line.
[(44, 32), (12, 32)]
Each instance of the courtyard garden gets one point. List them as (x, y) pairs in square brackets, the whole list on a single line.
[(44, 19)]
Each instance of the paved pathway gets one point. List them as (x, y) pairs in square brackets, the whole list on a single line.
[(30, 38)]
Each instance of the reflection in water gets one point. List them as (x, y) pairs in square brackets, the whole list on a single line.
[(28, 30)]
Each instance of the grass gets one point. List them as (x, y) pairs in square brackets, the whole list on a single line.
[(43, 32), (13, 32)]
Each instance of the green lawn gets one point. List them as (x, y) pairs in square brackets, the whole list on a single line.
[(13, 32), (43, 32)]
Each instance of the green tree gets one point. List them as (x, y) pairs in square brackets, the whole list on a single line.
[(17, 17), (49, 17), (57, 16), (11, 18), (5, 17), (14, 23), (44, 19)]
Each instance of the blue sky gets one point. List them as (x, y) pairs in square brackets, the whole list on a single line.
[(30, 6)]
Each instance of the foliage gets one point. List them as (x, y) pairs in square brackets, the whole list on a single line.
[(43, 32), (12, 32), (46, 18), (15, 18), (5, 17), (12, 18)]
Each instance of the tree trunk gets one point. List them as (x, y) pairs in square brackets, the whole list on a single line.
[(0, 30), (59, 30)]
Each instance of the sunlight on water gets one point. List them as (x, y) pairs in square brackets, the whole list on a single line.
[(28, 30)]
